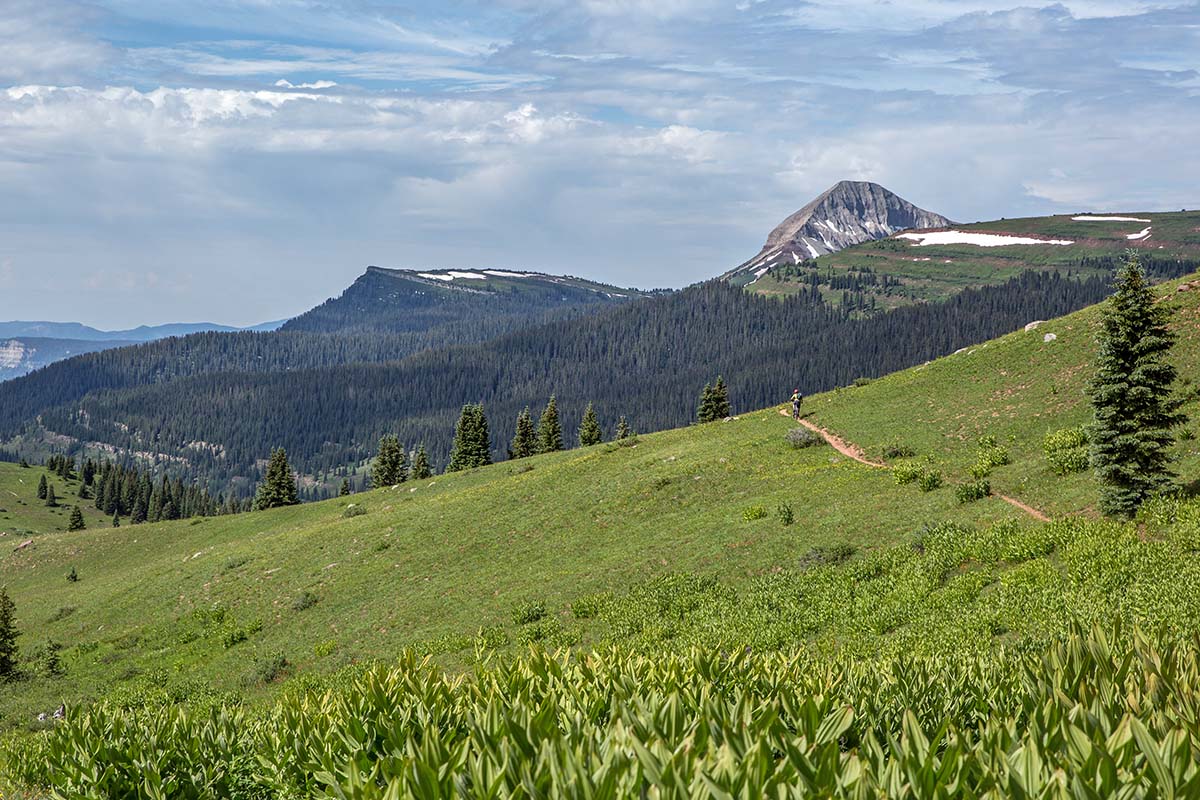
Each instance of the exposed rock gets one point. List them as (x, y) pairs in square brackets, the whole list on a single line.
[(1049, 337), (1034, 324), (852, 212)]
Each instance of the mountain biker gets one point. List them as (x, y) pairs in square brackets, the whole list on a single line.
[(797, 398)]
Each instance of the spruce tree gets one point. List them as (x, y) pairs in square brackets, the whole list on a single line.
[(387, 467), (1133, 410), (550, 438), (51, 500), (471, 447), (76, 523), (525, 440), (420, 465), (720, 398), (116, 521), (41, 490), (704, 412), (8, 636), (623, 429), (279, 485), (589, 429), (345, 490)]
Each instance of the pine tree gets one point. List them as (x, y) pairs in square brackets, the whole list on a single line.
[(345, 490), (550, 438), (76, 523), (89, 472), (41, 492), (116, 522), (525, 440), (388, 468), (84, 494), (51, 500), (704, 412), (623, 429), (472, 444), (589, 429), (24, 464), (279, 485), (8, 636), (420, 465), (1131, 396), (720, 395)]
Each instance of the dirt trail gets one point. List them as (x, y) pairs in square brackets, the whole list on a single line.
[(837, 443), (855, 452)]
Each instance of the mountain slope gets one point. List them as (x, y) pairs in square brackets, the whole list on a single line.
[(916, 267), (846, 214), (465, 552), (22, 355), (646, 360), (396, 301)]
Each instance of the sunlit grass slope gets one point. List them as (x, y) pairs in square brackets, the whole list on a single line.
[(430, 564)]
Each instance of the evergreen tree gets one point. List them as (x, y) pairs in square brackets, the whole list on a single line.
[(704, 412), (589, 429), (41, 492), (388, 469), (24, 464), (279, 485), (550, 438), (420, 465), (51, 500), (472, 444), (525, 441), (73, 576), (116, 522), (8, 636), (89, 472), (720, 396), (1131, 396), (84, 494), (345, 490), (76, 523), (623, 430)]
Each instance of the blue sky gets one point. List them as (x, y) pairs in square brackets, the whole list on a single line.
[(241, 160)]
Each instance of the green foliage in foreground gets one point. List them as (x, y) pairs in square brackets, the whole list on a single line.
[(1096, 716)]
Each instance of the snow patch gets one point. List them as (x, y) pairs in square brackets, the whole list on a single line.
[(978, 239), (795, 258), (473, 276), (811, 249), (1091, 218), (1133, 237), (435, 277), (758, 273), (499, 273)]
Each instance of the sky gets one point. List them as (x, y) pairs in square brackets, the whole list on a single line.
[(238, 161)]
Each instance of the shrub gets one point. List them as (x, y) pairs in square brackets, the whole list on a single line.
[(802, 437), (754, 513), (233, 562), (266, 669), (861, 381), (491, 638), (827, 555), (304, 600), (907, 473), (1067, 450), (529, 612), (1187, 435), (970, 492), (325, 648), (62, 613), (590, 606), (930, 479), (785, 514), (73, 576), (46, 660), (353, 510), (897, 450), (548, 632)]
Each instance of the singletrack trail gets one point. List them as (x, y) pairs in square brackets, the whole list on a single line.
[(855, 452)]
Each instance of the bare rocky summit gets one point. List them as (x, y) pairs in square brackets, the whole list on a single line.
[(849, 213)]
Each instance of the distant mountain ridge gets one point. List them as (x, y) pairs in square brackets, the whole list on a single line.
[(422, 301), (846, 214), (142, 333)]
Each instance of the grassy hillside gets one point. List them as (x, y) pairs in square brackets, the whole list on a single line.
[(23, 515), (458, 560), (929, 272)]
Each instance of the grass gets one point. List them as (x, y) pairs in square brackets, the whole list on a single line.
[(22, 515), (432, 564)]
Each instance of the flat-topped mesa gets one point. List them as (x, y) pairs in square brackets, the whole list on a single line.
[(849, 213)]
